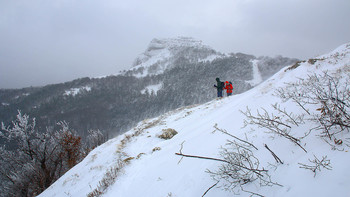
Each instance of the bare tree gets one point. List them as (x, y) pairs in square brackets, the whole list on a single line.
[(326, 99)]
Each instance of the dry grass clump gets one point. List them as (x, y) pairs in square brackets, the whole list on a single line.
[(156, 149), (108, 179), (168, 134)]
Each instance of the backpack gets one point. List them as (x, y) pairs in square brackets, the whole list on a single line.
[(222, 85)]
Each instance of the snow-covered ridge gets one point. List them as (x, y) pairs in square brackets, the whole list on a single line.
[(163, 47), (339, 52), (170, 43), (160, 54), (154, 170)]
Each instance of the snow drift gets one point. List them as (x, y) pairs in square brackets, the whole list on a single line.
[(152, 168)]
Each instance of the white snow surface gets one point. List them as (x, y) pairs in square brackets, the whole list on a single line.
[(162, 173), (211, 58), (75, 91), (256, 74), (152, 88)]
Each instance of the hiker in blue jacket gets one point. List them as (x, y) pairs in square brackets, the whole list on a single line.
[(219, 86)]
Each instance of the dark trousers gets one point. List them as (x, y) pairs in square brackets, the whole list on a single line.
[(219, 93)]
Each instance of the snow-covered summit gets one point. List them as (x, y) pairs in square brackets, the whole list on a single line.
[(152, 168), (173, 43), (164, 48), (161, 53), (337, 53)]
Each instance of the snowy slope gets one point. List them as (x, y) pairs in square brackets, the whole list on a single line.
[(256, 74), (160, 173)]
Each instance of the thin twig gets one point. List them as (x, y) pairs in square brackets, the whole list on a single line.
[(256, 171), (227, 133), (252, 193), (200, 157), (181, 152), (274, 155), (210, 188)]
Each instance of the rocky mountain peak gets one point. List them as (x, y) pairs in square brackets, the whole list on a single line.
[(173, 43), (161, 53)]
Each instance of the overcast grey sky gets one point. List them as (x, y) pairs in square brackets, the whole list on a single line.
[(51, 41)]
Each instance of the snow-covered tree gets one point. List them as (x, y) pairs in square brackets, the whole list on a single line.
[(95, 138), (35, 159)]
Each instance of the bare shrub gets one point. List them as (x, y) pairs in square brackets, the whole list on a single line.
[(278, 122), (317, 164), (240, 168), (326, 99), (71, 146)]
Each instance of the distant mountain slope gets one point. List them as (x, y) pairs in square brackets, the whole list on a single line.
[(152, 168), (182, 69), (161, 54)]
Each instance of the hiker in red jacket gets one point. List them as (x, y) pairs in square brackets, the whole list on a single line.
[(229, 88)]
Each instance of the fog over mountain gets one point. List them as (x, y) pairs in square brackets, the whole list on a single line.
[(49, 42), (288, 136), (171, 73)]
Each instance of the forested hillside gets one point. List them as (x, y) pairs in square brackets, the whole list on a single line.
[(184, 76)]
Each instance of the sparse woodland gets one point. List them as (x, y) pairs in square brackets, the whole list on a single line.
[(36, 159)]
